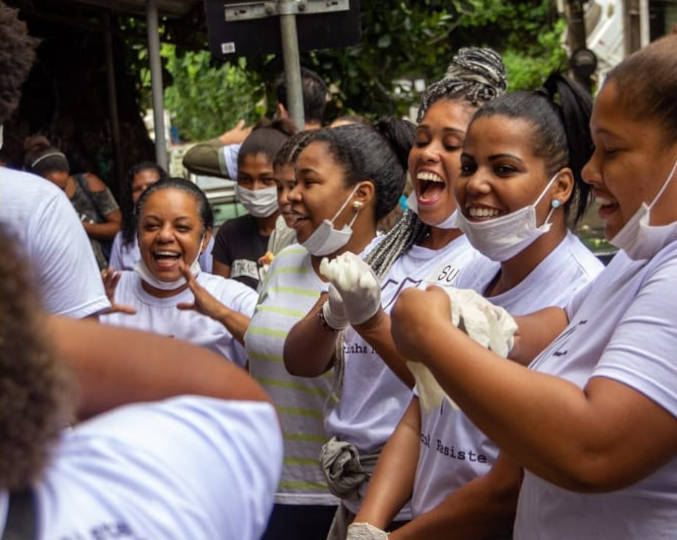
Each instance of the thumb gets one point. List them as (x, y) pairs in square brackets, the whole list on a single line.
[(185, 306)]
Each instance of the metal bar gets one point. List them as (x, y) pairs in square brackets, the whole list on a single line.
[(113, 104), (292, 62), (156, 83)]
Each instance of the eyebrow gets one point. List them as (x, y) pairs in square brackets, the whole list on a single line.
[(445, 129), (501, 156), (307, 170)]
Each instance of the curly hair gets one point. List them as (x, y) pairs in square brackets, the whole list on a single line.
[(17, 54), (36, 397)]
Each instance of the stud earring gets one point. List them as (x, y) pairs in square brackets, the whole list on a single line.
[(555, 203), (357, 205)]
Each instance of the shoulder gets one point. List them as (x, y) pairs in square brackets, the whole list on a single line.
[(577, 252), (94, 182)]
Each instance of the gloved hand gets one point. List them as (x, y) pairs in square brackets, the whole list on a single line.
[(365, 531), (356, 283), (334, 310)]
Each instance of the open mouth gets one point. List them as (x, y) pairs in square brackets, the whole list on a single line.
[(482, 213), (166, 259), (296, 219), (430, 187), (607, 206)]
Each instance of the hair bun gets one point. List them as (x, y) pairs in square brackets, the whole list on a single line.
[(481, 65), (36, 143)]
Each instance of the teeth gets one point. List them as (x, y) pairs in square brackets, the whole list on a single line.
[(166, 254), (603, 200), (477, 212), (429, 177)]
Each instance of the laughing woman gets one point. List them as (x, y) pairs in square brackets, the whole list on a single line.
[(173, 228), (593, 422)]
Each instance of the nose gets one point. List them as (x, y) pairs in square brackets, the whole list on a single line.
[(476, 183), (591, 171), (166, 233), (431, 152), (283, 196), (294, 194)]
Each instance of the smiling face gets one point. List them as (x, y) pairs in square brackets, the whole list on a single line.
[(630, 163), (434, 160), (170, 230), (255, 172), (142, 181), (319, 192), (499, 172), (285, 180)]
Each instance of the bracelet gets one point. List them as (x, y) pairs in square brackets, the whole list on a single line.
[(323, 322)]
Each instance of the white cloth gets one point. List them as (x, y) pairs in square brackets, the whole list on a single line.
[(622, 327), (365, 531), (126, 256), (160, 315), (373, 398), (187, 467), (228, 160), (43, 220), (452, 450)]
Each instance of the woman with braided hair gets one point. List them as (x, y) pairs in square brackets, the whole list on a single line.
[(424, 246)]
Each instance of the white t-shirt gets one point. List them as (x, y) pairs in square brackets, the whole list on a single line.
[(43, 220), (126, 256), (452, 450), (373, 398), (160, 315), (187, 467), (623, 327)]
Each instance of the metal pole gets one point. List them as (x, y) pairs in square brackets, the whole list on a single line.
[(292, 61), (576, 35), (113, 103), (156, 83)]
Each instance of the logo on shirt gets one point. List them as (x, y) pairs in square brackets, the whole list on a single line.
[(244, 268)]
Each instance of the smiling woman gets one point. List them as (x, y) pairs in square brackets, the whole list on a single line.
[(167, 293)]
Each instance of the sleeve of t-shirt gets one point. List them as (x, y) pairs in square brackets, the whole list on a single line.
[(641, 351), (105, 202), (221, 251), (210, 467), (70, 283), (228, 160)]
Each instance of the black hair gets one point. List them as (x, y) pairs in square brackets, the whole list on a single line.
[(559, 114), (291, 149), (377, 153), (126, 202), (314, 95), (266, 138), (41, 157), (17, 54), (347, 119), (647, 84), (204, 210)]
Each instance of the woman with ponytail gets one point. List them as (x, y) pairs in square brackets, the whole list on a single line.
[(424, 246), (347, 178), (592, 421)]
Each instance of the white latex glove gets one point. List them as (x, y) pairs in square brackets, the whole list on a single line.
[(365, 531), (334, 310), (356, 283)]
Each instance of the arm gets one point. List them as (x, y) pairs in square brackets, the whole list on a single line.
[(535, 332), (483, 508), (114, 366), (109, 228), (392, 483), (309, 346), (376, 332), (588, 451), (220, 269)]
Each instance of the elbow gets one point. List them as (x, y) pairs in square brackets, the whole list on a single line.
[(597, 473), (296, 363)]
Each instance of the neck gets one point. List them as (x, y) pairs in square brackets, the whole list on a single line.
[(161, 293), (514, 270), (267, 224), (439, 238)]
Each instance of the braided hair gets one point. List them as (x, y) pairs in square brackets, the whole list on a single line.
[(475, 75)]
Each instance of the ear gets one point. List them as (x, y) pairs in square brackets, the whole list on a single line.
[(563, 186), (207, 238), (365, 193)]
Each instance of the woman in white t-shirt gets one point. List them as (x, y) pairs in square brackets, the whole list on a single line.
[(165, 292), (519, 175), (423, 246), (347, 178), (593, 421)]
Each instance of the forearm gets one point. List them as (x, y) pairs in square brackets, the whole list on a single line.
[(376, 332), (115, 366), (483, 508), (235, 322), (392, 482), (535, 332), (309, 347), (102, 231)]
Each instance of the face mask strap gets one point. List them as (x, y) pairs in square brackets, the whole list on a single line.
[(545, 190), (345, 203), (665, 184)]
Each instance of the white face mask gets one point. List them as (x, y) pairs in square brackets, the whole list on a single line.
[(325, 239), (450, 222), (149, 278), (258, 202), (637, 237), (504, 237)]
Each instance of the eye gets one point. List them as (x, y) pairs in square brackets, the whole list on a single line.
[(150, 226), (468, 168), (504, 170)]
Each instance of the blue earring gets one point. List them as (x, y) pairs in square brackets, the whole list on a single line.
[(555, 203)]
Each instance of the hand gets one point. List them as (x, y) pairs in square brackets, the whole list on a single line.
[(334, 310), (356, 283), (411, 316), (236, 135), (110, 281), (203, 301)]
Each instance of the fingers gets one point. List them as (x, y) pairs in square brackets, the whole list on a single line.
[(121, 308), (185, 306)]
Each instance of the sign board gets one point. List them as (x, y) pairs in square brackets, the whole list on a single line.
[(239, 28)]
